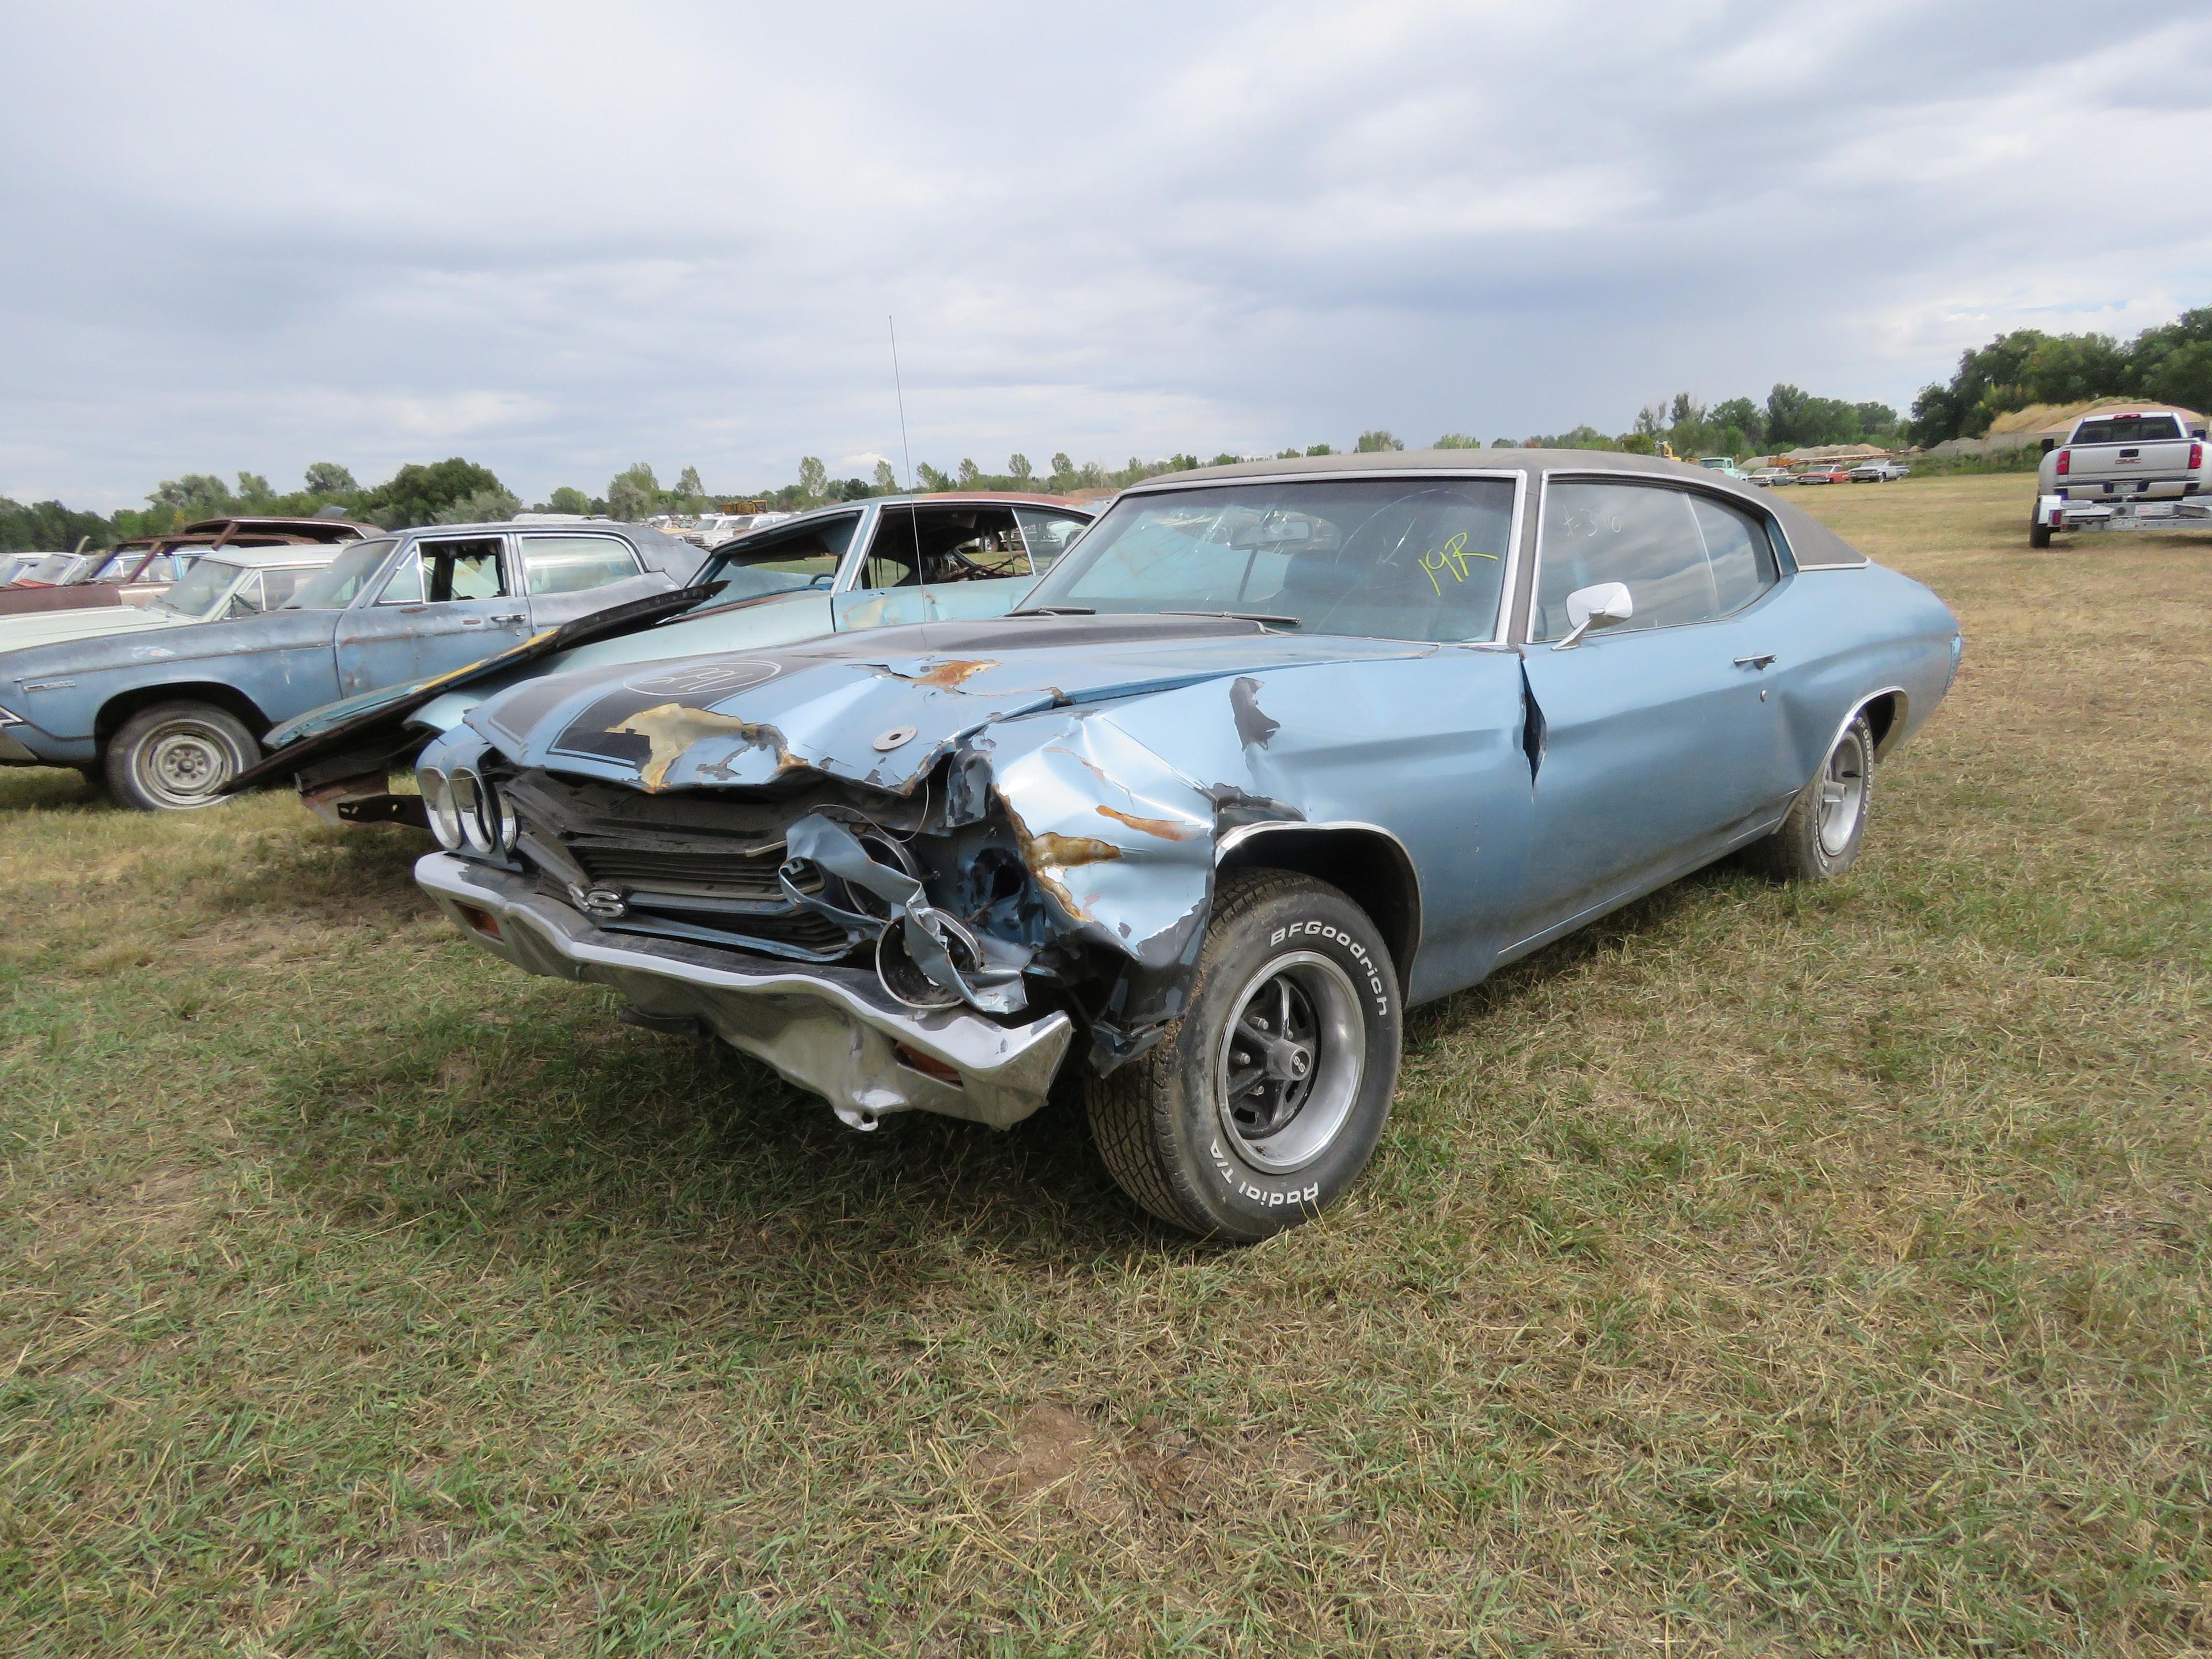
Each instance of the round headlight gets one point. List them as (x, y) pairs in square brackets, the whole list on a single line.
[(504, 819), (477, 809), (438, 804)]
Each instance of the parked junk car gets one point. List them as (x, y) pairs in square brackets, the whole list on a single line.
[(1766, 475), (1881, 471), (837, 569), (2123, 469), (172, 713), (1276, 750), (133, 572), (1822, 472), (52, 569), (13, 565)]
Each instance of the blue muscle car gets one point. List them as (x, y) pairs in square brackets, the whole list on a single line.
[(1275, 751), (171, 702)]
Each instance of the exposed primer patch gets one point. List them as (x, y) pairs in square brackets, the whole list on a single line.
[(1165, 829), (952, 673), (671, 728), (1254, 728)]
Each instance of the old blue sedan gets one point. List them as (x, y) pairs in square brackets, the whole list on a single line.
[(1275, 751)]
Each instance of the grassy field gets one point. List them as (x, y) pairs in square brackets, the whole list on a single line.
[(1763, 1271)]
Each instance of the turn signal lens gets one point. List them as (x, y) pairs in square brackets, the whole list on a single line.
[(2065, 462), (2195, 456)]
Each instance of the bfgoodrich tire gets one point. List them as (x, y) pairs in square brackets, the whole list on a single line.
[(176, 756), (1827, 825), (1264, 1102)]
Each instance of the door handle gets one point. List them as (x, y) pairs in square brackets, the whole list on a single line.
[(1763, 659), (515, 616)]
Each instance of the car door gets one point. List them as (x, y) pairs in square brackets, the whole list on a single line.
[(567, 575), (942, 561), (1661, 743), (448, 602)]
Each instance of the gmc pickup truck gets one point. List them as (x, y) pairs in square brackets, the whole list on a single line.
[(2135, 469)]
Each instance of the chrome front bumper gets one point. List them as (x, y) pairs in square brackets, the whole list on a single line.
[(829, 1029)]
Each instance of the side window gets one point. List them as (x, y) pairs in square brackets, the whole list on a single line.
[(1741, 556), (246, 599), (1048, 534), (574, 564), (945, 544), (1655, 540), (467, 569), (806, 555), (280, 585)]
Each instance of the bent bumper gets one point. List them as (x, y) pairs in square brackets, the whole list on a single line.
[(829, 1029)]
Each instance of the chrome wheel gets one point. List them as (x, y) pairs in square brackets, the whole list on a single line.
[(1842, 792), (1291, 1062), (185, 764)]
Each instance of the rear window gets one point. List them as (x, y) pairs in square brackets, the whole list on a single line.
[(2127, 429)]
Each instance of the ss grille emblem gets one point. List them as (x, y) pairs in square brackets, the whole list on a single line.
[(607, 903)]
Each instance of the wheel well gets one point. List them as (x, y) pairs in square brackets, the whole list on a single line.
[(1881, 713), (124, 705), (1369, 868)]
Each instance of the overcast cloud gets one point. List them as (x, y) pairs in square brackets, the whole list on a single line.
[(557, 240)]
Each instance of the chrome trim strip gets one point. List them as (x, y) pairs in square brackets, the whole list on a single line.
[(1244, 832), (832, 1031), (1889, 739)]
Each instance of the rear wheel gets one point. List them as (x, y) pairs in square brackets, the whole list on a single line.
[(1825, 827), (176, 756), (1265, 1100), (2038, 533)]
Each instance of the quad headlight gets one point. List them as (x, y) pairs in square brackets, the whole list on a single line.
[(438, 803), (487, 824)]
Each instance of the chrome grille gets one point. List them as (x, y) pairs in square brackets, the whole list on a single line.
[(703, 873)]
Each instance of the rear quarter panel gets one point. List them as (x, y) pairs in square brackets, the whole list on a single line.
[(1844, 636)]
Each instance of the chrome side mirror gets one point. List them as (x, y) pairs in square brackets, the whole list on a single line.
[(1601, 606)]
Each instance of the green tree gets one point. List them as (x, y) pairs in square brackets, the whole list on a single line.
[(254, 489), (329, 478), (1225, 458), (1063, 475), (688, 484), (1018, 469), (1287, 454), (886, 480), (569, 499), (634, 493), (2172, 362), (931, 479), (1319, 449), (813, 478), (971, 474), (417, 495), (492, 506), (1744, 416), (1375, 442), (1457, 441)]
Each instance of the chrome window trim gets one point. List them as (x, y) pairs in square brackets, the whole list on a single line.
[(1517, 476), (1524, 634)]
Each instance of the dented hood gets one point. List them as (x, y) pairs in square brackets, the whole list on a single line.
[(880, 709)]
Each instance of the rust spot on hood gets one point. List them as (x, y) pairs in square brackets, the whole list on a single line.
[(1059, 852), (953, 673), (671, 728), (1165, 829)]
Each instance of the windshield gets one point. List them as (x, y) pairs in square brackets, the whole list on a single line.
[(782, 564), (119, 565), (200, 589), (336, 583), (1385, 558)]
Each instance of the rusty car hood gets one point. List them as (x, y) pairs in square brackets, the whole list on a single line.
[(878, 709)]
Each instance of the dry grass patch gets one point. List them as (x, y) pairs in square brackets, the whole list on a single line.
[(1763, 1271)]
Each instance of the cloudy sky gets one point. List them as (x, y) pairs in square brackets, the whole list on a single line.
[(559, 238)]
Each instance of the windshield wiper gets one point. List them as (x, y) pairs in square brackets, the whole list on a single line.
[(1266, 618), (1054, 611)]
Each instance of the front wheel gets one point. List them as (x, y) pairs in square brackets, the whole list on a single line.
[(176, 756), (1263, 1102), (1826, 828)]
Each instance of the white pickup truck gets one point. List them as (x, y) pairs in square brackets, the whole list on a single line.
[(2123, 470)]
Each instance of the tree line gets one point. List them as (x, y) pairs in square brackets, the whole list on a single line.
[(2169, 362)]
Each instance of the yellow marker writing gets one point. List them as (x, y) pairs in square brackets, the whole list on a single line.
[(1453, 557)]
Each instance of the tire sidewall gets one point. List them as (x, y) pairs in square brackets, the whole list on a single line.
[(1239, 1197), (143, 730), (1834, 864)]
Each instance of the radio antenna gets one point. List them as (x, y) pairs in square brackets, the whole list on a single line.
[(906, 449)]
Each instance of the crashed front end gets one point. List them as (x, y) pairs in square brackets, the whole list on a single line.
[(908, 883)]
